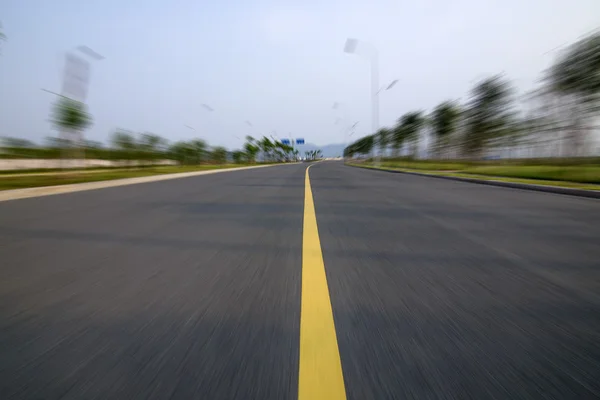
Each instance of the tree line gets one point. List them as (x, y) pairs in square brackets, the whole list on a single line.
[(554, 120), (71, 118), (312, 155), (127, 145)]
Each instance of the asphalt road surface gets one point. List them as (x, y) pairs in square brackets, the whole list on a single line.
[(191, 288)]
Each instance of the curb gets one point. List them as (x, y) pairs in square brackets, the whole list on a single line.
[(16, 194), (592, 194)]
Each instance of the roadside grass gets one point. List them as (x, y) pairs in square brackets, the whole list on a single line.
[(47, 171), (576, 177), (425, 166), (22, 181), (575, 173), (564, 170)]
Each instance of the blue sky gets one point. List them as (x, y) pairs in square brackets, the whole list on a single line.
[(278, 64)]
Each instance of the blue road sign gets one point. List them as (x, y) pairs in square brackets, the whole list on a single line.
[(285, 141), (299, 141)]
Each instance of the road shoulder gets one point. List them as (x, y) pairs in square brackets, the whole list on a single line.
[(17, 194)]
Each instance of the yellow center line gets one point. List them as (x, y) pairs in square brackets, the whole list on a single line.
[(320, 366)]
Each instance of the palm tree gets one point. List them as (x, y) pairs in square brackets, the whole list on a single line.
[(266, 146), (312, 154), (283, 150), (251, 151), (289, 150), (361, 146)]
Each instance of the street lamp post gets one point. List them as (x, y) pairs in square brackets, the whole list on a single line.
[(345, 128), (348, 132), (350, 47)]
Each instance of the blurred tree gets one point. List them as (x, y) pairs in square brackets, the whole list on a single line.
[(384, 138), (199, 150), (348, 151), (488, 114), (266, 147), (284, 151), (219, 155), (182, 152), (152, 143), (313, 154), (71, 118), (56, 142), (366, 145), (71, 115), (576, 72), (251, 149), (123, 140), (361, 146), (444, 120), (2, 35), (575, 79), (17, 142), (124, 143), (410, 126), (398, 137), (238, 156), (93, 144)]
